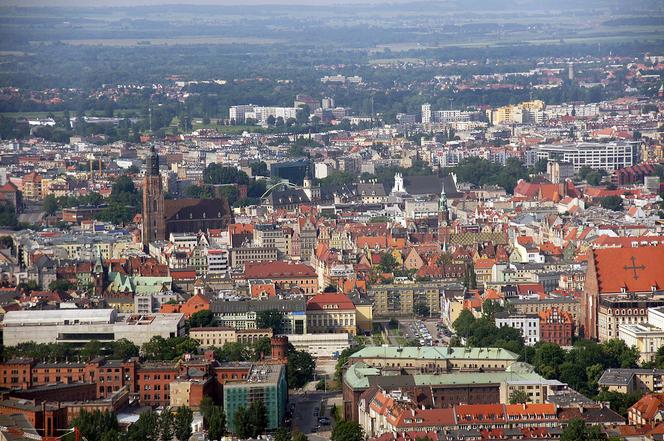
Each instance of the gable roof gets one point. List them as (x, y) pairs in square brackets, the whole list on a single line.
[(635, 269)]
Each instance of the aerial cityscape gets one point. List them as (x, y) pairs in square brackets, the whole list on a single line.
[(292, 220)]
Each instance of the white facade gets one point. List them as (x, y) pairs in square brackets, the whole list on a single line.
[(426, 113), (529, 325), (608, 156), (83, 325), (320, 345)]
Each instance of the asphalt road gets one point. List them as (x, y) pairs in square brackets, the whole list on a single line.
[(304, 419)]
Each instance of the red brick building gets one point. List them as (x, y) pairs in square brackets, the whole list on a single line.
[(556, 326), (49, 419), (618, 271), (153, 381)]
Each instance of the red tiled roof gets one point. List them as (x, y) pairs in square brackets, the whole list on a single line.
[(277, 269), (635, 269), (329, 301)]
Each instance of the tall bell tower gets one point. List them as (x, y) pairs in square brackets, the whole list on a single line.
[(154, 225)]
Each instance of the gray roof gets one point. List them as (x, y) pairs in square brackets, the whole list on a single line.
[(431, 184), (622, 377), (371, 189)]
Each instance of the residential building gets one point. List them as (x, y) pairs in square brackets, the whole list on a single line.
[(285, 274), (527, 324), (627, 381), (401, 299)]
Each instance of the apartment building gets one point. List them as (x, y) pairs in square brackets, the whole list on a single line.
[(608, 156), (527, 324)]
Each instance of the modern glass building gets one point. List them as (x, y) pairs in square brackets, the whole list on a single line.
[(264, 382)]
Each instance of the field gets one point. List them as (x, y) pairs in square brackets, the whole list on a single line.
[(187, 40)]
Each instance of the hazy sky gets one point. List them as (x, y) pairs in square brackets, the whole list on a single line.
[(187, 2)]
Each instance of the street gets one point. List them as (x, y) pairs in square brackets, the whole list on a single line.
[(305, 419)]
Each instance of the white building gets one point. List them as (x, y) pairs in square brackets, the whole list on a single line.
[(82, 325), (241, 113), (528, 324), (320, 345), (647, 337), (426, 113), (608, 156)]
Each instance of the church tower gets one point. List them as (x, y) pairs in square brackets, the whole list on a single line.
[(154, 225), (443, 219)]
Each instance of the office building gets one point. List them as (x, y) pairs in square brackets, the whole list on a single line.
[(79, 326), (263, 382), (608, 156)]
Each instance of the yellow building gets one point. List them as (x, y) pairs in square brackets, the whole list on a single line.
[(331, 313), (219, 336), (32, 187)]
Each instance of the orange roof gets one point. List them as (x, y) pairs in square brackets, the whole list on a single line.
[(635, 269), (277, 269), (531, 409), (329, 301), (649, 405), (484, 263)]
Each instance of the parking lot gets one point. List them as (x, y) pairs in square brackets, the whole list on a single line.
[(426, 333)]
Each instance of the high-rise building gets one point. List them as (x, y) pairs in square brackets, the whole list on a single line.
[(426, 113), (154, 225)]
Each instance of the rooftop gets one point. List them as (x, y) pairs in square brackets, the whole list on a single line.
[(435, 353)]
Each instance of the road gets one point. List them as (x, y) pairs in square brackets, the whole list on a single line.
[(304, 419)]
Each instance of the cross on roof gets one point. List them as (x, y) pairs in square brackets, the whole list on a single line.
[(634, 267)]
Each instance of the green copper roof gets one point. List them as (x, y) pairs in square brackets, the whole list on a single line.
[(435, 353), (359, 376)]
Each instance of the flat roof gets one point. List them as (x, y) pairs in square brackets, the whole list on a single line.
[(435, 353), (361, 376)]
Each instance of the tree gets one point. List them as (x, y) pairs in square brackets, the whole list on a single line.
[(518, 397), (182, 423), (93, 424), (217, 423), (387, 263), (259, 168), (166, 425), (202, 319), (618, 401), (60, 285), (576, 430), (299, 436), (421, 309), (159, 348), (145, 429), (92, 349), (262, 348), (464, 323), (50, 205), (216, 174), (272, 319), (614, 203), (282, 434), (347, 431), (241, 423), (123, 349), (8, 215), (300, 369), (257, 417), (232, 351)]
